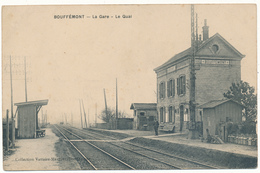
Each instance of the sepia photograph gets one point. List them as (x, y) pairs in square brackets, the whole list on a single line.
[(129, 87)]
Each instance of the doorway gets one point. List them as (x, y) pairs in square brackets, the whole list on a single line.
[(181, 117)]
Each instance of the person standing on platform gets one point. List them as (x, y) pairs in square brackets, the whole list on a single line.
[(156, 126)]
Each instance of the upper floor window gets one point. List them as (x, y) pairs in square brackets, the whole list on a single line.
[(215, 48), (181, 85), (171, 88), (162, 90), (142, 113)]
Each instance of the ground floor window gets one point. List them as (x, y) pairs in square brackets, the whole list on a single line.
[(161, 114), (171, 114)]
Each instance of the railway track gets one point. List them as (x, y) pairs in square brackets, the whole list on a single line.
[(170, 160), (100, 164)]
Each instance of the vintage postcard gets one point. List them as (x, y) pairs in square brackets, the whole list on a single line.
[(129, 87)]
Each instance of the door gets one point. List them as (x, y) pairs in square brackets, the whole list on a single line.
[(181, 117)]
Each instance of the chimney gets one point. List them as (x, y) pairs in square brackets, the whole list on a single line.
[(205, 29)]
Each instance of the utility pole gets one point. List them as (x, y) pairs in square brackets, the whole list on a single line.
[(65, 115), (25, 79), (12, 115), (42, 118), (116, 104), (88, 118), (105, 104), (96, 115), (71, 119), (194, 44), (7, 130), (84, 113), (46, 118), (80, 115)]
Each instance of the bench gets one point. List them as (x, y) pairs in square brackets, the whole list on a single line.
[(40, 133)]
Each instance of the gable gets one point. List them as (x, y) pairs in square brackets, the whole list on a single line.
[(206, 49), (217, 46)]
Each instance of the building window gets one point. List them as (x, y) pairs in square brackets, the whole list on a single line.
[(171, 88), (142, 113), (171, 114), (162, 90), (215, 48), (161, 115), (181, 85), (186, 115)]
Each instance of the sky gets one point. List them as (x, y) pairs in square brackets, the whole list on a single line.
[(72, 59)]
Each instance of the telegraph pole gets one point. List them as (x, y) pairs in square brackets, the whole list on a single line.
[(105, 103), (12, 115), (194, 44), (25, 79), (116, 104), (46, 117), (96, 115), (80, 115), (71, 119), (42, 118), (7, 130), (84, 113), (88, 118)]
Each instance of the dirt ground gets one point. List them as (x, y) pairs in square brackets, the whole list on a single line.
[(46, 153), (66, 160), (33, 154)]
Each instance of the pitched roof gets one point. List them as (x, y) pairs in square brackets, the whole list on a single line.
[(215, 103), (143, 106), (188, 52), (37, 103)]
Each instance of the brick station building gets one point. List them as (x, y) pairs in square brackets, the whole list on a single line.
[(217, 64)]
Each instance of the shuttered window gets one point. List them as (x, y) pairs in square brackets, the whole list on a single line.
[(171, 88), (170, 114), (162, 90), (161, 114), (181, 85)]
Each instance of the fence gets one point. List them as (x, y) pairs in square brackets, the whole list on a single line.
[(249, 139)]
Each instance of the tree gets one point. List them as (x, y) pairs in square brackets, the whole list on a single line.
[(111, 114), (243, 93)]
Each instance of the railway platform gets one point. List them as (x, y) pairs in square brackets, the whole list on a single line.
[(179, 138), (35, 154)]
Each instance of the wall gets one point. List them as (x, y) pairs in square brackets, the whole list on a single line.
[(102, 125), (177, 100), (213, 80), (209, 122), (27, 121), (139, 125), (125, 123), (213, 117)]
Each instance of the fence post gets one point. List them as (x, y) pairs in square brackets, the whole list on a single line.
[(7, 130)]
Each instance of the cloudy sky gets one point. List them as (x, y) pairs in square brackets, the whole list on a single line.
[(72, 59)]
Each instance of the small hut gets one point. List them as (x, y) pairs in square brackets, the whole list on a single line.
[(28, 118), (144, 115), (217, 114)]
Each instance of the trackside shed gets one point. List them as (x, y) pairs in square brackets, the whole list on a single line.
[(217, 114), (28, 117)]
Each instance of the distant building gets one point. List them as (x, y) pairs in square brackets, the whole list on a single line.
[(144, 115), (28, 117), (217, 114), (217, 64)]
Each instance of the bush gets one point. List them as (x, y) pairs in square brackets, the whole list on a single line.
[(248, 128)]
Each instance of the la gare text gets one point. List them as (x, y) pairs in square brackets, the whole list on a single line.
[(92, 16)]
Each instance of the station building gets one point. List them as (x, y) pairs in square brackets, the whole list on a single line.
[(217, 64)]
